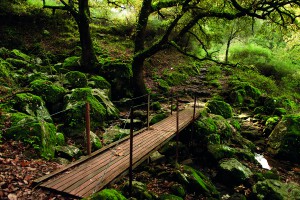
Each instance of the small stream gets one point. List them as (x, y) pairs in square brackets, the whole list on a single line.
[(261, 159)]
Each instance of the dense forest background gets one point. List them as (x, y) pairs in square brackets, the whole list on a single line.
[(241, 58)]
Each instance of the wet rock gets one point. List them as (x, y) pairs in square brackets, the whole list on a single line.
[(232, 168), (276, 190), (284, 141), (69, 152)]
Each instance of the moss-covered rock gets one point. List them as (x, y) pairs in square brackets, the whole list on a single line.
[(99, 82), (205, 126), (220, 108), (139, 190), (95, 141), (169, 197), (107, 194), (39, 134), (284, 141), (72, 63), (232, 168), (6, 73), (76, 79), (32, 105), (74, 117), (102, 97), (158, 117), (60, 139), (155, 106), (50, 92), (169, 149), (270, 124), (197, 182), (18, 63), (213, 139), (162, 84), (276, 190), (69, 152), (220, 151)]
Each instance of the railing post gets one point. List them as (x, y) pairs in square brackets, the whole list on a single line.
[(177, 128), (131, 152), (88, 127), (171, 103), (148, 111), (194, 113)]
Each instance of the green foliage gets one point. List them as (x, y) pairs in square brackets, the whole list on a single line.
[(106, 194), (158, 117), (163, 85), (100, 82), (156, 106), (220, 108)]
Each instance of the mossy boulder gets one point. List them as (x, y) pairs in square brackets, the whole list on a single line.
[(32, 105), (157, 118), (99, 82), (76, 79), (270, 124), (220, 151), (197, 182), (155, 106), (102, 96), (232, 168), (244, 94), (39, 134), (139, 190), (6, 74), (74, 117), (170, 197), (220, 108), (50, 92), (69, 152), (276, 190), (284, 141), (169, 149), (107, 194), (71, 63)]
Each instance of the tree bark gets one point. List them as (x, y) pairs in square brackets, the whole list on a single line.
[(88, 57)]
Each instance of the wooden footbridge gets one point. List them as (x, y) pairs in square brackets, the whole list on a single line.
[(92, 173)]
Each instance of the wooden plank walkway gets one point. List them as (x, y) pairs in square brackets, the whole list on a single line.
[(92, 173)]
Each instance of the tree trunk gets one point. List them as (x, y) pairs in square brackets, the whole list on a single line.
[(137, 81), (227, 50), (88, 57)]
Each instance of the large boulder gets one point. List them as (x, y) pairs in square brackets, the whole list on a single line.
[(32, 105), (50, 92), (139, 190), (74, 116), (276, 190), (106, 194), (39, 134), (284, 141), (220, 108), (69, 152), (232, 168)]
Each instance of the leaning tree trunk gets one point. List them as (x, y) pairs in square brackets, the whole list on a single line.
[(88, 57)]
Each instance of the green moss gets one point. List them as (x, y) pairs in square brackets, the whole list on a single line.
[(156, 106), (280, 111), (162, 84), (106, 194), (213, 139), (60, 139), (169, 197), (6, 73), (224, 128), (32, 105), (178, 190), (100, 82), (76, 79), (158, 117), (19, 55), (220, 108), (205, 126), (72, 63), (50, 92), (175, 78), (40, 135), (74, 117), (220, 151), (18, 63)]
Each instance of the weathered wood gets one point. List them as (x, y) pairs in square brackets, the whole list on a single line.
[(94, 172)]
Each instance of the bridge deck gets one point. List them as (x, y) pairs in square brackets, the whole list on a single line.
[(94, 172)]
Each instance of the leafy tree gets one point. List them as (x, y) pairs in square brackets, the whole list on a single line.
[(188, 14), (79, 9)]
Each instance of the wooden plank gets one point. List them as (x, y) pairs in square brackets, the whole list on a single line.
[(102, 167)]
